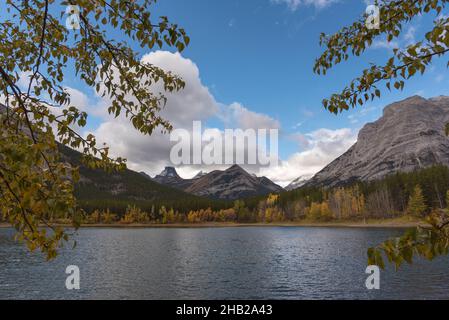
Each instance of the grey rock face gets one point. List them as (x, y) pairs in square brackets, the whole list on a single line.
[(170, 177), (298, 182), (233, 183), (410, 135)]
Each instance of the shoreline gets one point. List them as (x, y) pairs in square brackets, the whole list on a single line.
[(388, 223)]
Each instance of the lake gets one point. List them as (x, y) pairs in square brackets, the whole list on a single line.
[(217, 263)]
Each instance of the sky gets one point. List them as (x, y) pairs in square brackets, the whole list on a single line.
[(249, 64)]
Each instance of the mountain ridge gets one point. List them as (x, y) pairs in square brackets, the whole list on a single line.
[(408, 136), (230, 184)]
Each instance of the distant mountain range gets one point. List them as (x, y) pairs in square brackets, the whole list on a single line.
[(130, 187), (410, 135), (230, 184), (100, 189)]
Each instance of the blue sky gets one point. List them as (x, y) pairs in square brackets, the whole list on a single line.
[(259, 54)]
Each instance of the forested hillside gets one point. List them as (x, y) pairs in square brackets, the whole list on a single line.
[(414, 194), (98, 189), (383, 198)]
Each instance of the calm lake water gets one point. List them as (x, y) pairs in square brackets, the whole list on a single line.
[(217, 263)]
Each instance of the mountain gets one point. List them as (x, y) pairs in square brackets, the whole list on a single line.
[(298, 182), (98, 189), (146, 175), (410, 135), (232, 183), (170, 177), (199, 175)]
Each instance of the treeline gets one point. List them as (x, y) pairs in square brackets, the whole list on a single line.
[(338, 204), (385, 198), (416, 194), (180, 204), (116, 190)]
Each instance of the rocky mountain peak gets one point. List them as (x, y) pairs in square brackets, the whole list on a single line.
[(409, 135), (235, 167), (401, 106), (170, 177), (169, 172), (232, 183)]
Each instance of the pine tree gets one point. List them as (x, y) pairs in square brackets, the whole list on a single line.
[(416, 203)]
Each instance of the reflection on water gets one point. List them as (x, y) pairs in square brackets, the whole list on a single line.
[(217, 263)]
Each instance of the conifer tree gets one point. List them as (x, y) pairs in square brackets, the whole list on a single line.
[(416, 203)]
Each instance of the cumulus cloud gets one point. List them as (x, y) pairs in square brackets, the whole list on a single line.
[(384, 44), (320, 148), (194, 103), (237, 116), (78, 99)]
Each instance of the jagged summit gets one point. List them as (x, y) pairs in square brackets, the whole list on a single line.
[(230, 184), (236, 168), (170, 177), (169, 172)]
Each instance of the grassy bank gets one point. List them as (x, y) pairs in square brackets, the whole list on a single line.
[(401, 222)]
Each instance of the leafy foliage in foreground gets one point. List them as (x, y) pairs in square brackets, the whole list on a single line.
[(427, 242), (37, 48), (402, 65)]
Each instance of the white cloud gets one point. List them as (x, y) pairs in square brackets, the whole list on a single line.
[(151, 153), (384, 44), (237, 116), (78, 99), (409, 36), (439, 78), (321, 147), (24, 79), (193, 103), (295, 4)]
